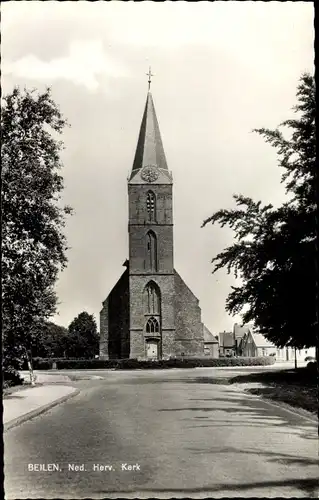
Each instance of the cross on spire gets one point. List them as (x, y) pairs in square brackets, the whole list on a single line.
[(149, 74)]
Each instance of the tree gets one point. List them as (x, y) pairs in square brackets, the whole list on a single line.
[(274, 253), (52, 342), (83, 337), (33, 243)]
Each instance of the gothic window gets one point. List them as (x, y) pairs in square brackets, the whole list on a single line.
[(151, 206), (152, 326), (152, 303), (151, 251)]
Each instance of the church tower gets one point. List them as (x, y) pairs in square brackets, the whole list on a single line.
[(150, 313), (151, 262)]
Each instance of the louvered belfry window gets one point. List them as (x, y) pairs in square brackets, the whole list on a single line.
[(151, 206)]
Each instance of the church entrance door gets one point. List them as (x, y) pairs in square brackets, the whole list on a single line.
[(152, 349)]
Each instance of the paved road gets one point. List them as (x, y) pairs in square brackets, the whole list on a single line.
[(186, 437)]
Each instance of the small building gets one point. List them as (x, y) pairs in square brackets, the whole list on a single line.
[(289, 353), (239, 333), (255, 344), (227, 345), (211, 344)]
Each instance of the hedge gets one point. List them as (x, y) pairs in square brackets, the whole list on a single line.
[(133, 364), (46, 363)]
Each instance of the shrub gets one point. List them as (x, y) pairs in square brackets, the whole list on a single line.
[(85, 364), (38, 364), (11, 378), (129, 364), (133, 364), (312, 366), (46, 363)]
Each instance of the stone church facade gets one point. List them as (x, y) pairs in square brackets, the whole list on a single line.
[(150, 313)]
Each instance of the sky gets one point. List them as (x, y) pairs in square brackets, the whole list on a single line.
[(220, 70)]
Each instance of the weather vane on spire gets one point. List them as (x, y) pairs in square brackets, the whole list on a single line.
[(149, 74)]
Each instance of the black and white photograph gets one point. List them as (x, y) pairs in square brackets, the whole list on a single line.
[(159, 250)]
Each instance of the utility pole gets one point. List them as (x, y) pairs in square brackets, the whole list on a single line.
[(295, 358)]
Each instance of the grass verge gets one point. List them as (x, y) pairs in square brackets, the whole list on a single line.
[(297, 388)]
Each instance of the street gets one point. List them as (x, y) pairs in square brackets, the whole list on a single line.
[(162, 433)]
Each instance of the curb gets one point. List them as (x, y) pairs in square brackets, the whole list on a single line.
[(284, 406), (34, 413), (290, 409)]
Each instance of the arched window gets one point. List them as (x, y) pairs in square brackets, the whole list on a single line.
[(152, 301), (151, 206), (151, 251), (152, 326)]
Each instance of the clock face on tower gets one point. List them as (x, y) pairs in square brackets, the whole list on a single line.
[(149, 174)]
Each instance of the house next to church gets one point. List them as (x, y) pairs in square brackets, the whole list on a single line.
[(255, 344), (150, 313), (210, 344)]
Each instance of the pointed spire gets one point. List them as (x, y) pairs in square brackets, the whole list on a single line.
[(149, 150)]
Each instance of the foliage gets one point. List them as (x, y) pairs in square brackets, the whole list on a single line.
[(11, 377), (33, 244), (274, 254), (83, 338), (56, 343), (52, 341), (132, 364)]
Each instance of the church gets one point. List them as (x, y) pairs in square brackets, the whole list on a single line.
[(150, 313)]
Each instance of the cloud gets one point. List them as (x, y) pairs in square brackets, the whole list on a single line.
[(172, 25), (84, 65)]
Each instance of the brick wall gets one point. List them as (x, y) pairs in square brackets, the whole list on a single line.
[(168, 343), (139, 225), (189, 337), (137, 346), (137, 203), (123, 317), (140, 275), (138, 319), (104, 331), (114, 321), (138, 248)]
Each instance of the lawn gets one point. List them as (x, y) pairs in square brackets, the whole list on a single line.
[(297, 388)]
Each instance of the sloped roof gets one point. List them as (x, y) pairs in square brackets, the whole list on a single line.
[(226, 339), (240, 331), (208, 336), (149, 150), (261, 341)]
